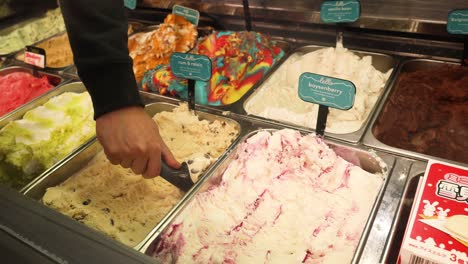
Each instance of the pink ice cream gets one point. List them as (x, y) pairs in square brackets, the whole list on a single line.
[(285, 198), (19, 88)]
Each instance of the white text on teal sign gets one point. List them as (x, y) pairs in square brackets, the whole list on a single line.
[(191, 66), (340, 11), (457, 22), (325, 90)]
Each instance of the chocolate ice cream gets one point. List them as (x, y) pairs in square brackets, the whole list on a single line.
[(428, 113)]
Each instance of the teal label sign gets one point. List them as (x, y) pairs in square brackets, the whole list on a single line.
[(130, 3), (191, 15), (340, 11), (457, 22), (328, 91), (191, 66)]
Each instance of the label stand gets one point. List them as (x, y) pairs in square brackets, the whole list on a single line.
[(191, 94), (327, 92), (248, 19), (192, 67), (321, 120), (465, 51)]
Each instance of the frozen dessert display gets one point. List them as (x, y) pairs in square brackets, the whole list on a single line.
[(239, 60), (18, 88), (427, 113), (58, 51), (18, 37), (126, 206), (150, 49), (278, 97), (45, 135), (284, 198)]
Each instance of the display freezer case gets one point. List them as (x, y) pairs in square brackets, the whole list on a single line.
[(394, 32)]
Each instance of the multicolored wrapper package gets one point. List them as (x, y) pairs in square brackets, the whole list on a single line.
[(437, 231)]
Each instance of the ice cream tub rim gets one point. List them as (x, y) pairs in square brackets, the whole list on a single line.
[(371, 163), (370, 140), (60, 81), (79, 158), (21, 52), (381, 61)]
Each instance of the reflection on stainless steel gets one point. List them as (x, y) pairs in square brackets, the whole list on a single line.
[(400, 220), (381, 228), (396, 15)]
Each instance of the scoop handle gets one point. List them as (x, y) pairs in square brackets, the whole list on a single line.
[(177, 177)]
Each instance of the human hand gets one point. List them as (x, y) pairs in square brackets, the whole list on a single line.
[(131, 138)]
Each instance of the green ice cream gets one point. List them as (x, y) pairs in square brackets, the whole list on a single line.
[(17, 37), (44, 136)]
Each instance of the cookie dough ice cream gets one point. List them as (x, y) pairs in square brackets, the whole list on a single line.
[(126, 206)]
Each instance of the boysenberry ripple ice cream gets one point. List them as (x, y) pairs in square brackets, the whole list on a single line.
[(126, 206), (239, 61), (284, 198), (278, 97)]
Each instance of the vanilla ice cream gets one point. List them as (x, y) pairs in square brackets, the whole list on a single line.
[(285, 198), (278, 97)]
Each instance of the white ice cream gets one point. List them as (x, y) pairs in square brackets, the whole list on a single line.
[(285, 198), (278, 97)]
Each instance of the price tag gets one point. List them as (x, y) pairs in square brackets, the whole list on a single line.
[(131, 4), (35, 56), (340, 11), (328, 91), (191, 15), (191, 66), (457, 22)]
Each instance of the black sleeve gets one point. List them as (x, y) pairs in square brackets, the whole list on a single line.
[(97, 30)]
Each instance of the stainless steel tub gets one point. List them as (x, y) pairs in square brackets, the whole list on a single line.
[(371, 162), (370, 139), (284, 45), (381, 62), (80, 159), (19, 113)]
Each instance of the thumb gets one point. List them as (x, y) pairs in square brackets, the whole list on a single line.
[(168, 157)]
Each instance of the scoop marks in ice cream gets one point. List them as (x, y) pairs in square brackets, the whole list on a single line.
[(45, 135), (18, 88), (126, 206), (239, 60), (284, 198), (278, 97), (428, 113), (152, 48)]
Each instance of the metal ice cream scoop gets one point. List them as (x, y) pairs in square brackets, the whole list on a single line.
[(180, 178)]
